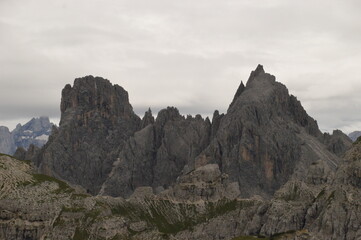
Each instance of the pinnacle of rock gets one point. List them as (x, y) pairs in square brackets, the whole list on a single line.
[(240, 89)]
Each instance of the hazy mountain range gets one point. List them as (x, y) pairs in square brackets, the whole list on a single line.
[(35, 132), (354, 135)]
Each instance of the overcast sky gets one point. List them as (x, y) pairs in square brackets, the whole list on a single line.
[(191, 54)]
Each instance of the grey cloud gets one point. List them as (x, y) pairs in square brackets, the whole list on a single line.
[(189, 54), (28, 111)]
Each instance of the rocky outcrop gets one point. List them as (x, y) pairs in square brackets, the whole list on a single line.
[(156, 155), (264, 136), (36, 206), (35, 132), (338, 142), (259, 142), (96, 120), (205, 183), (29, 154), (147, 119)]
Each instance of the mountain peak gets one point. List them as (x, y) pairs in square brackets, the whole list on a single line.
[(259, 70), (95, 97), (240, 90), (147, 119)]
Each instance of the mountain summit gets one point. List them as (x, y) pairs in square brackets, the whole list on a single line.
[(96, 119), (261, 170), (258, 144)]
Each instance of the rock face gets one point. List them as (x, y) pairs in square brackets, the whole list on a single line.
[(23, 154), (104, 147), (262, 169), (156, 155), (325, 204), (205, 183), (96, 119), (338, 142), (260, 141), (35, 132)]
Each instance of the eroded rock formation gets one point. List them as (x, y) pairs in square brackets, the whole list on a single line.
[(96, 119)]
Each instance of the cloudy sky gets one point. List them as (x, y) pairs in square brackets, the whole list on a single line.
[(191, 54)]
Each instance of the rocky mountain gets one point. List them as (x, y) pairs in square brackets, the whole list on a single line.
[(156, 155), (324, 204), (264, 136), (103, 146), (262, 170), (354, 135), (96, 119), (35, 132)]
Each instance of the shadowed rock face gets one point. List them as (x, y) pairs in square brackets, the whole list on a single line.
[(201, 172), (338, 142), (96, 119), (258, 143), (158, 153), (264, 136)]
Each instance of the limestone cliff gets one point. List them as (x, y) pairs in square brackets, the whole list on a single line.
[(156, 155), (96, 119)]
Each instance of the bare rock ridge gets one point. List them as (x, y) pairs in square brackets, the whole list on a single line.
[(156, 155), (263, 170), (96, 119), (259, 143)]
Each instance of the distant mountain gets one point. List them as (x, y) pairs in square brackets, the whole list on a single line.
[(354, 135), (7, 144), (35, 132)]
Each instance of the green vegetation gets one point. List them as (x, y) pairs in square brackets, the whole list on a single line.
[(92, 215), (358, 140), (293, 194), (80, 234), (321, 194), (62, 186), (79, 196), (7, 155), (331, 197), (2, 166), (24, 161), (58, 221), (250, 238), (277, 236), (73, 209), (169, 217)]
